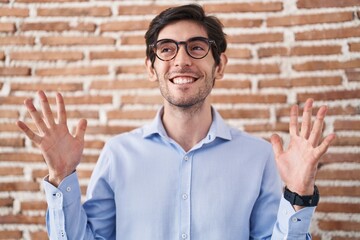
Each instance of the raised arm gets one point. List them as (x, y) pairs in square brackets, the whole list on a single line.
[(61, 150)]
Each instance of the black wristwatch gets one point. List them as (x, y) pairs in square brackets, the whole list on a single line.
[(304, 201)]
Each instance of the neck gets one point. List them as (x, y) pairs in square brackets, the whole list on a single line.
[(187, 126)]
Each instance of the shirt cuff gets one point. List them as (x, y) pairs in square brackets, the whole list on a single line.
[(292, 222), (67, 192)]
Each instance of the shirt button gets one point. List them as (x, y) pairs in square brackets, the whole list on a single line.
[(58, 195), (184, 196), (183, 236), (294, 219), (186, 158), (68, 189)]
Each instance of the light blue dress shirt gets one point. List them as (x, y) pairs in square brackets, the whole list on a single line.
[(146, 187)]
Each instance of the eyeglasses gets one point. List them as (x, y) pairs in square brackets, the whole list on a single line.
[(196, 47)]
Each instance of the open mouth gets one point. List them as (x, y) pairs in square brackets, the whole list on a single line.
[(183, 80)]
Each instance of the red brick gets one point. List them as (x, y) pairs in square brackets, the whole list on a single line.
[(336, 174), (347, 125), (17, 40), (241, 23), (340, 158), (353, 74), (22, 219), (14, 12), (121, 54), (124, 26), (243, 7), (43, 235), (6, 202), (8, 127), (132, 40), (267, 127), (346, 141), (109, 130), (74, 11), (304, 19), (238, 84), (344, 32), (47, 87), (55, 41), (329, 95), (238, 53), (327, 3), (95, 144), (333, 225), (131, 114), (244, 113), (49, 1), (12, 142), (255, 38), (2, 56), (300, 82), (137, 99), (14, 71), (88, 99), (69, 71), (326, 65), (7, 27), (33, 205), (12, 100), (134, 69), (354, 47), (9, 114), (122, 84), (330, 207), (249, 98), (143, 9), (19, 186), (20, 157), (45, 26), (10, 234), (352, 191), (47, 55), (11, 171), (253, 68)]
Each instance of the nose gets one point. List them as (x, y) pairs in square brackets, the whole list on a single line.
[(182, 58)]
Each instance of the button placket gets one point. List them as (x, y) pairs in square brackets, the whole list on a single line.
[(185, 190)]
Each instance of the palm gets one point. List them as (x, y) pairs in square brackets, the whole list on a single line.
[(62, 151), (298, 163)]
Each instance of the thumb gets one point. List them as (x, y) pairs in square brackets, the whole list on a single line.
[(80, 129), (277, 145)]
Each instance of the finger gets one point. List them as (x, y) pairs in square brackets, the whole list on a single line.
[(61, 109), (30, 134), (276, 145), (49, 118), (40, 124), (293, 125), (316, 132), (80, 129), (322, 148), (306, 119)]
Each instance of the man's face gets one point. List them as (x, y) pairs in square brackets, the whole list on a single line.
[(184, 81)]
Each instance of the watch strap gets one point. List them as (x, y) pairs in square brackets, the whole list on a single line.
[(302, 200)]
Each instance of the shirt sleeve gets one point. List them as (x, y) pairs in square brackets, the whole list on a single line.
[(291, 224), (68, 219)]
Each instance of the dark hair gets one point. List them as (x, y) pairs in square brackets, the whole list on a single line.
[(192, 12)]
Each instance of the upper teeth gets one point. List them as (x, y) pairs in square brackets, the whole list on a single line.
[(182, 80)]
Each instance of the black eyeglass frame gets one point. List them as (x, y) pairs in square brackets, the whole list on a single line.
[(185, 43)]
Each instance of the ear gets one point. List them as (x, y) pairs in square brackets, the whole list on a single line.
[(150, 70), (219, 71)]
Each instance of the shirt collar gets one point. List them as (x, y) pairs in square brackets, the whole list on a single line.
[(218, 127)]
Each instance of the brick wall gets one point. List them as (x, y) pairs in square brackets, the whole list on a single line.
[(280, 53)]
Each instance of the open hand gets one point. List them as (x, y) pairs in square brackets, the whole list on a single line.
[(298, 164), (62, 151)]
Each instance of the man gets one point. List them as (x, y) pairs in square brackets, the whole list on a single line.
[(187, 175)]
